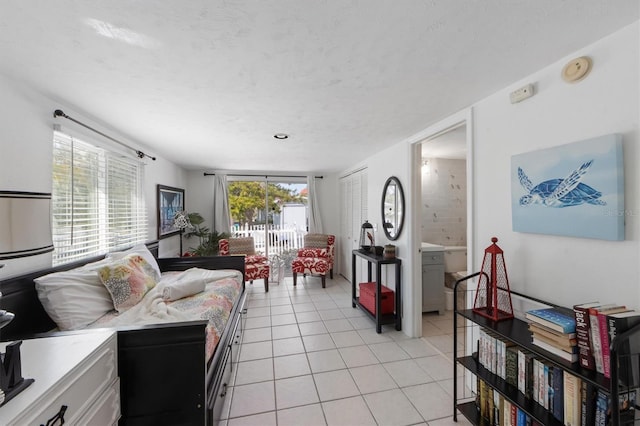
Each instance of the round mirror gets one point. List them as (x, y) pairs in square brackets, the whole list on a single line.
[(392, 208)]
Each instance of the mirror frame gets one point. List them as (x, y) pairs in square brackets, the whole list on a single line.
[(396, 181)]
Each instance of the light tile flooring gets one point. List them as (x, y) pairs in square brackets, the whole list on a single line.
[(309, 358)]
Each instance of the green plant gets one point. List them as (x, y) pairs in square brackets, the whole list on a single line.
[(208, 239)]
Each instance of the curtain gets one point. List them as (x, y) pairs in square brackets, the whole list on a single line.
[(221, 215), (315, 223)]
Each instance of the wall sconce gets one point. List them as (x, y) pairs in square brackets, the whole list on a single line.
[(425, 166)]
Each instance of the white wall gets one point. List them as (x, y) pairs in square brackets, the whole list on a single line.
[(562, 269), (395, 161), (26, 134)]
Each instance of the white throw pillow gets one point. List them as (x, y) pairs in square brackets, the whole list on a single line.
[(75, 298), (141, 250)]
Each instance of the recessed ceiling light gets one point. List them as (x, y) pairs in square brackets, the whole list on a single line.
[(281, 136)]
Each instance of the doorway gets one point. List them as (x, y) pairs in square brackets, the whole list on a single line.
[(443, 211)]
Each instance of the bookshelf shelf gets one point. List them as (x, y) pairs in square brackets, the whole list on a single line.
[(517, 332)]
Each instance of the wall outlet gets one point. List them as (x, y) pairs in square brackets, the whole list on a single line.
[(521, 94)]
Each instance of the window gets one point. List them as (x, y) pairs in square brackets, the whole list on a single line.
[(97, 200)]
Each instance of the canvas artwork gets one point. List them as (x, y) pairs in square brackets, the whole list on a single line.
[(574, 190), (170, 201)]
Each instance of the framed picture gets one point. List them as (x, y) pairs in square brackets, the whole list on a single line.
[(574, 190), (170, 201)]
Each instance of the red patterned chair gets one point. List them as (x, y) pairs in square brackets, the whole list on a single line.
[(315, 258), (255, 265)]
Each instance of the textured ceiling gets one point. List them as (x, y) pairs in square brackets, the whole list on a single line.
[(207, 83)]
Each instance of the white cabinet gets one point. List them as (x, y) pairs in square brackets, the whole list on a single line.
[(77, 370), (433, 298)]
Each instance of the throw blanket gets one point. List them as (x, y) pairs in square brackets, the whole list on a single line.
[(214, 304)]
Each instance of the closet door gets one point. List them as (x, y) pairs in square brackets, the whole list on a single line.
[(353, 196)]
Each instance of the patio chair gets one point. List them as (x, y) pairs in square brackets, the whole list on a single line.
[(255, 265), (316, 258)]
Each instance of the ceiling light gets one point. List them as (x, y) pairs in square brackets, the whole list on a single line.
[(281, 136)]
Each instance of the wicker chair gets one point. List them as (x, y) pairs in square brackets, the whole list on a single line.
[(255, 265), (316, 258)]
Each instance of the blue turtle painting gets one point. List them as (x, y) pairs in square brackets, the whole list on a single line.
[(559, 193)]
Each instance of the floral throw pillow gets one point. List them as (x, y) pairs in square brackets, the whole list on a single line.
[(128, 279)]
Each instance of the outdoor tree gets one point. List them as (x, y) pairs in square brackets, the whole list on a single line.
[(246, 199)]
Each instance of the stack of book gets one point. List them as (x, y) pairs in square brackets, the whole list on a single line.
[(597, 325), (554, 330)]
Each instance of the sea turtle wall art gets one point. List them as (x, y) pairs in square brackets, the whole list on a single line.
[(576, 189)]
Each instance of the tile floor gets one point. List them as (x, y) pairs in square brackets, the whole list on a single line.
[(309, 358)]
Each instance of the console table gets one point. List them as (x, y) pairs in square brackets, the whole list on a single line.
[(378, 261)]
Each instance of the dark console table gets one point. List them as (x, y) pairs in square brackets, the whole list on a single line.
[(373, 259)]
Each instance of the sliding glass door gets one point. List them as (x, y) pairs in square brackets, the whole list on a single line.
[(274, 211)]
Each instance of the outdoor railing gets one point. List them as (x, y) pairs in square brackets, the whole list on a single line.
[(277, 240)]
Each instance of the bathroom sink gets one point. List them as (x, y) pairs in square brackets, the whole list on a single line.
[(432, 247)]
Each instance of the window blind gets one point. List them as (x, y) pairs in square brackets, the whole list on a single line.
[(97, 199)]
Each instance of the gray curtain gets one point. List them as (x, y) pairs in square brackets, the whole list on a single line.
[(221, 215), (315, 223)]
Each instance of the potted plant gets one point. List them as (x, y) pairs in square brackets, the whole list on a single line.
[(208, 239)]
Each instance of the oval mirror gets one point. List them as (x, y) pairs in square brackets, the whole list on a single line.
[(392, 208)]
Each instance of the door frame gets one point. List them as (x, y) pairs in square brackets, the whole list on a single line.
[(463, 117)]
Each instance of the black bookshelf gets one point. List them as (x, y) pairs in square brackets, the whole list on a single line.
[(517, 331)]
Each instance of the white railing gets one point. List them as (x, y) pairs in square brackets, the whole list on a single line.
[(280, 240)]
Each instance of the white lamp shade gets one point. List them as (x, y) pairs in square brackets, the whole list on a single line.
[(25, 224)]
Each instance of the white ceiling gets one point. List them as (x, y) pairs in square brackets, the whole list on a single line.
[(207, 83)]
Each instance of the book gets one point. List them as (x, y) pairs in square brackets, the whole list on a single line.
[(602, 404), (525, 372), (547, 333), (628, 366), (588, 393), (594, 329), (571, 357), (604, 337), (511, 366), (569, 346), (555, 318), (558, 394), (583, 335), (571, 386)]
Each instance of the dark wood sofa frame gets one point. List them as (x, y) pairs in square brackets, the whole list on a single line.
[(164, 378)]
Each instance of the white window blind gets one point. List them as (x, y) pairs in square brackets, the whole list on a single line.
[(98, 202)]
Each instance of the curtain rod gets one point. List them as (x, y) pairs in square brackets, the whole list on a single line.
[(266, 176), (58, 113)]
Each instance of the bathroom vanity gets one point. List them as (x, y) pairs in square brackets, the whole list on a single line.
[(433, 298)]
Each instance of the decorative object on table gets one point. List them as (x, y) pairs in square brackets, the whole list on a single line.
[(182, 223), (367, 239), (378, 250), (389, 251), (209, 241), (392, 208), (576, 189), (493, 297), (170, 201)]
